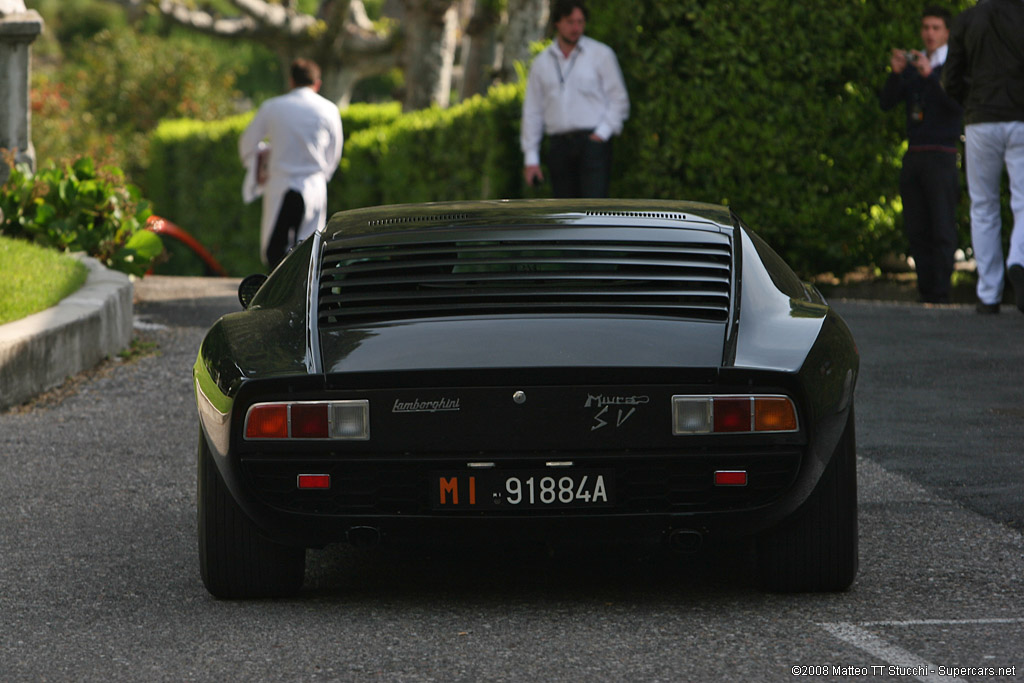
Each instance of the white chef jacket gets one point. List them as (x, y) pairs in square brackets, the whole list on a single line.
[(305, 142), (584, 91)]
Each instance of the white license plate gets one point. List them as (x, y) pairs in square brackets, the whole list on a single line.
[(521, 490)]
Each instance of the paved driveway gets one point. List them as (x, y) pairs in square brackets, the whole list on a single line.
[(99, 577)]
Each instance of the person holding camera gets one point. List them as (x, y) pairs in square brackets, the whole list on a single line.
[(575, 94), (929, 179)]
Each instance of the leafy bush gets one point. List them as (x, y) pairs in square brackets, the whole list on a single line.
[(115, 87), (770, 107), (775, 114), (80, 208)]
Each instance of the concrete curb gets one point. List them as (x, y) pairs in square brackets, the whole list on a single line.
[(38, 352)]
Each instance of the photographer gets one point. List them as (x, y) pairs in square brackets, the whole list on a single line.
[(929, 180)]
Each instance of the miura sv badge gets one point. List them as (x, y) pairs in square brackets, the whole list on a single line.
[(613, 410)]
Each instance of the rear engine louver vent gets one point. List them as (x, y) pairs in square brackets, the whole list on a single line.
[(420, 275)]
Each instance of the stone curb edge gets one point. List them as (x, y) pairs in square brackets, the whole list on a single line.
[(37, 353)]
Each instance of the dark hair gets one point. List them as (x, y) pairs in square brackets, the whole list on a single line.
[(940, 12), (304, 72), (564, 8)]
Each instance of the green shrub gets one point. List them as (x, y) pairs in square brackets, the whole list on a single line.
[(80, 208), (115, 87), (770, 107), (469, 151)]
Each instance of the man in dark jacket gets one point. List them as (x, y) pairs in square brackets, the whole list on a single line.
[(985, 72), (930, 179)]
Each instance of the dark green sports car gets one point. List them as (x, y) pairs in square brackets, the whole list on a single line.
[(536, 368)]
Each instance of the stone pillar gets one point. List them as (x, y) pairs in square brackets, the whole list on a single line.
[(18, 28)]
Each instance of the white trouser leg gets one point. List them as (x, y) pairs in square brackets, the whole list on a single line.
[(1015, 167), (985, 149)]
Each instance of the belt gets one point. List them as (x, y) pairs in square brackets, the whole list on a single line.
[(573, 133), (932, 148)]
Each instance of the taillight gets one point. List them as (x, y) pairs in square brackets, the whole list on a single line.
[(732, 414), (309, 421), (347, 420), (774, 414), (267, 421)]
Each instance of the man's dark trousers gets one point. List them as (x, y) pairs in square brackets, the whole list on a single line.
[(282, 240), (930, 188), (579, 166)]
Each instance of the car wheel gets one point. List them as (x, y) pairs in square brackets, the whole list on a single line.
[(815, 550), (235, 559)]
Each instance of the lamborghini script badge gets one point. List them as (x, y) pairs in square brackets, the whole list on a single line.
[(416, 405)]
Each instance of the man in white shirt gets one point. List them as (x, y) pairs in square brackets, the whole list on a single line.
[(303, 146), (576, 95)]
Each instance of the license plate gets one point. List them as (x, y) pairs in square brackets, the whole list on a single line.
[(522, 490)]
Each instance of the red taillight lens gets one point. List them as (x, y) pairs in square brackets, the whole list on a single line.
[(267, 421), (309, 421), (732, 414)]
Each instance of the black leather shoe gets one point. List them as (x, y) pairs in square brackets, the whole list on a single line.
[(987, 309), (1016, 276)]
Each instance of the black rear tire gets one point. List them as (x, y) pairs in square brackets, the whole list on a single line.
[(235, 559), (816, 549)]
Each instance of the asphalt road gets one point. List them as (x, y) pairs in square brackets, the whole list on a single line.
[(99, 577)]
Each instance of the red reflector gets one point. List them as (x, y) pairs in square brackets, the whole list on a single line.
[(732, 414), (269, 421), (314, 481), (731, 478), (309, 421)]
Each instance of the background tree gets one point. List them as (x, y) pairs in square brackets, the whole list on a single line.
[(338, 35), (429, 36), (99, 87), (526, 22)]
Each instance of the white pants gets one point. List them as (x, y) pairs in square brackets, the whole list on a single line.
[(990, 147)]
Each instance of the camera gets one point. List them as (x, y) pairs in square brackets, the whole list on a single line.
[(910, 56)]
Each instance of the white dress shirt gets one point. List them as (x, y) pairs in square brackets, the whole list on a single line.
[(584, 91), (305, 142)]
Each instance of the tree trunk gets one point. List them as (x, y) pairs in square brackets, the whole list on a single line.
[(478, 49), (429, 53), (527, 21)]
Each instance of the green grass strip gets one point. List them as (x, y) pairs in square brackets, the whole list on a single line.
[(33, 278)]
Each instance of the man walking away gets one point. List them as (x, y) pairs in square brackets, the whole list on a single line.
[(985, 72), (291, 149), (576, 95)]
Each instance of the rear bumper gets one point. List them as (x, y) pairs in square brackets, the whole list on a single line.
[(654, 497)]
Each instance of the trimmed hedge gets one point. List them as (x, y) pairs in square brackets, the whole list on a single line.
[(768, 106), (771, 107), (195, 180), (469, 151)]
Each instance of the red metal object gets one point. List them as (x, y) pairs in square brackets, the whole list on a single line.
[(165, 228)]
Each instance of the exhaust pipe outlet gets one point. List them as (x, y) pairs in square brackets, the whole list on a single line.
[(363, 536), (685, 540)]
